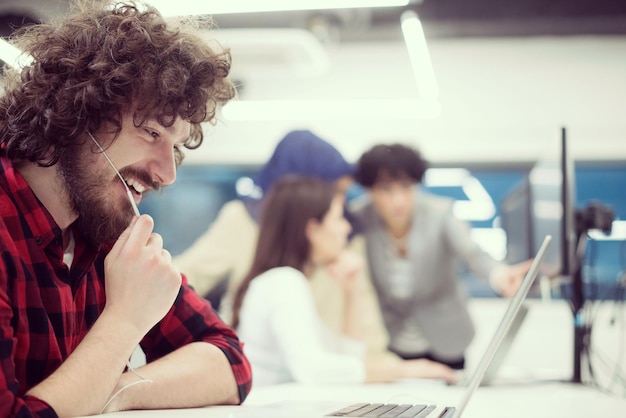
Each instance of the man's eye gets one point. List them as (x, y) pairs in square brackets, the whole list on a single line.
[(152, 133)]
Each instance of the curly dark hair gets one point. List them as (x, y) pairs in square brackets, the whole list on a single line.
[(100, 61), (394, 161)]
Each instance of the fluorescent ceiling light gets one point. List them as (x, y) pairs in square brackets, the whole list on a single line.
[(215, 7), (478, 207), (419, 56), (12, 56), (307, 110)]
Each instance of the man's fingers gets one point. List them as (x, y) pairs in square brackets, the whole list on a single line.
[(155, 240), (134, 236), (121, 240), (140, 232)]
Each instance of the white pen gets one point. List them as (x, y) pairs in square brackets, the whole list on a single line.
[(128, 192)]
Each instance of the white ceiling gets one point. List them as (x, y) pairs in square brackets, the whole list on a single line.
[(501, 99), (510, 74)]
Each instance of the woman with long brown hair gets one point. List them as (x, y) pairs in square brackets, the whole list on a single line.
[(301, 227)]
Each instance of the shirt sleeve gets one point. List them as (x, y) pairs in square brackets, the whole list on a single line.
[(459, 236), (12, 404), (300, 335), (192, 319)]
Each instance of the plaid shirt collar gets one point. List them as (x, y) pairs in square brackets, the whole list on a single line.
[(38, 219)]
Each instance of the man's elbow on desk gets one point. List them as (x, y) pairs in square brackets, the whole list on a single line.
[(196, 375), (220, 374)]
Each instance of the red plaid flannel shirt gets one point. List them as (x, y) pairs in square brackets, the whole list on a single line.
[(46, 308)]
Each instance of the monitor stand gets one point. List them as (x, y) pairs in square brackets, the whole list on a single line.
[(594, 216)]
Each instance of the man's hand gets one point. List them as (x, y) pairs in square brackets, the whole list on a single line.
[(141, 281), (508, 279)]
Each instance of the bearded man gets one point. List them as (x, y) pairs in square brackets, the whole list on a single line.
[(83, 279)]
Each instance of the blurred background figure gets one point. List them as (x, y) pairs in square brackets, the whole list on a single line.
[(302, 227), (217, 261), (414, 247)]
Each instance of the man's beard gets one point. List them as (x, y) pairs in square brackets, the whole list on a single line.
[(102, 217)]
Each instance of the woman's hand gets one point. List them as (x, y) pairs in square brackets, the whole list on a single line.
[(428, 369), (346, 270)]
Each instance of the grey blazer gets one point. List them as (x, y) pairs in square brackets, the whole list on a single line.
[(437, 242)]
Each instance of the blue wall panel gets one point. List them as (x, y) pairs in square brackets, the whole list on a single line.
[(185, 210)]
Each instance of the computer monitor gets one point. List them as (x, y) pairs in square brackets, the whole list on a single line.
[(552, 192), (544, 204), (515, 220), (552, 208)]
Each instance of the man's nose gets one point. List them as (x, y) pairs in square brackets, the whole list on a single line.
[(164, 166)]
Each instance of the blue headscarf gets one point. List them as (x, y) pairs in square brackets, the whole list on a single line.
[(299, 152)]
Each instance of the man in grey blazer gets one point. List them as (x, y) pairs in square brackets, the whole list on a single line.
[(414, 245)]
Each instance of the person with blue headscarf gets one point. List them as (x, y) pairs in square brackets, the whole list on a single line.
[(304, 153)]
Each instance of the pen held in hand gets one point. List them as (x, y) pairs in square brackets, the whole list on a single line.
[(128, 192)]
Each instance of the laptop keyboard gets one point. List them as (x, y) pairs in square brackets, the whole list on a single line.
[(380, 410)]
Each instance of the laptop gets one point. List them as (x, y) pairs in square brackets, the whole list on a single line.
[(321, 409), (492, 373)]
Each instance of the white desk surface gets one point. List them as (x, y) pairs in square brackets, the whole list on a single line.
[(534, 377), (538, 400)]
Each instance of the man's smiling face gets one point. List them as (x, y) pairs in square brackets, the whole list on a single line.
[(146, 157)]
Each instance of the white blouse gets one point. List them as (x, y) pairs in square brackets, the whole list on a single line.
[(284, 338)]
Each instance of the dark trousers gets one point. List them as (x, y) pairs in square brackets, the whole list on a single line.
[(457, 364)]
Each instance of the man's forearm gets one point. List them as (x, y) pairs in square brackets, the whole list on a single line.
[(195, 375), (83, 383)]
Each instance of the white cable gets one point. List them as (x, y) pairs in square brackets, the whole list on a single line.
[(143, 380), (128, 192), (121, 390)]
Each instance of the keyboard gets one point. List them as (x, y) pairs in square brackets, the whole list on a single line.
[(381, 410)]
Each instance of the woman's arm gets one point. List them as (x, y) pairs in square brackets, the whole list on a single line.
[(297, 331), (359, 315), (347, 272)]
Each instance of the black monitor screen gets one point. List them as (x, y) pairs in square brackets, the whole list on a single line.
[(552, 207)]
